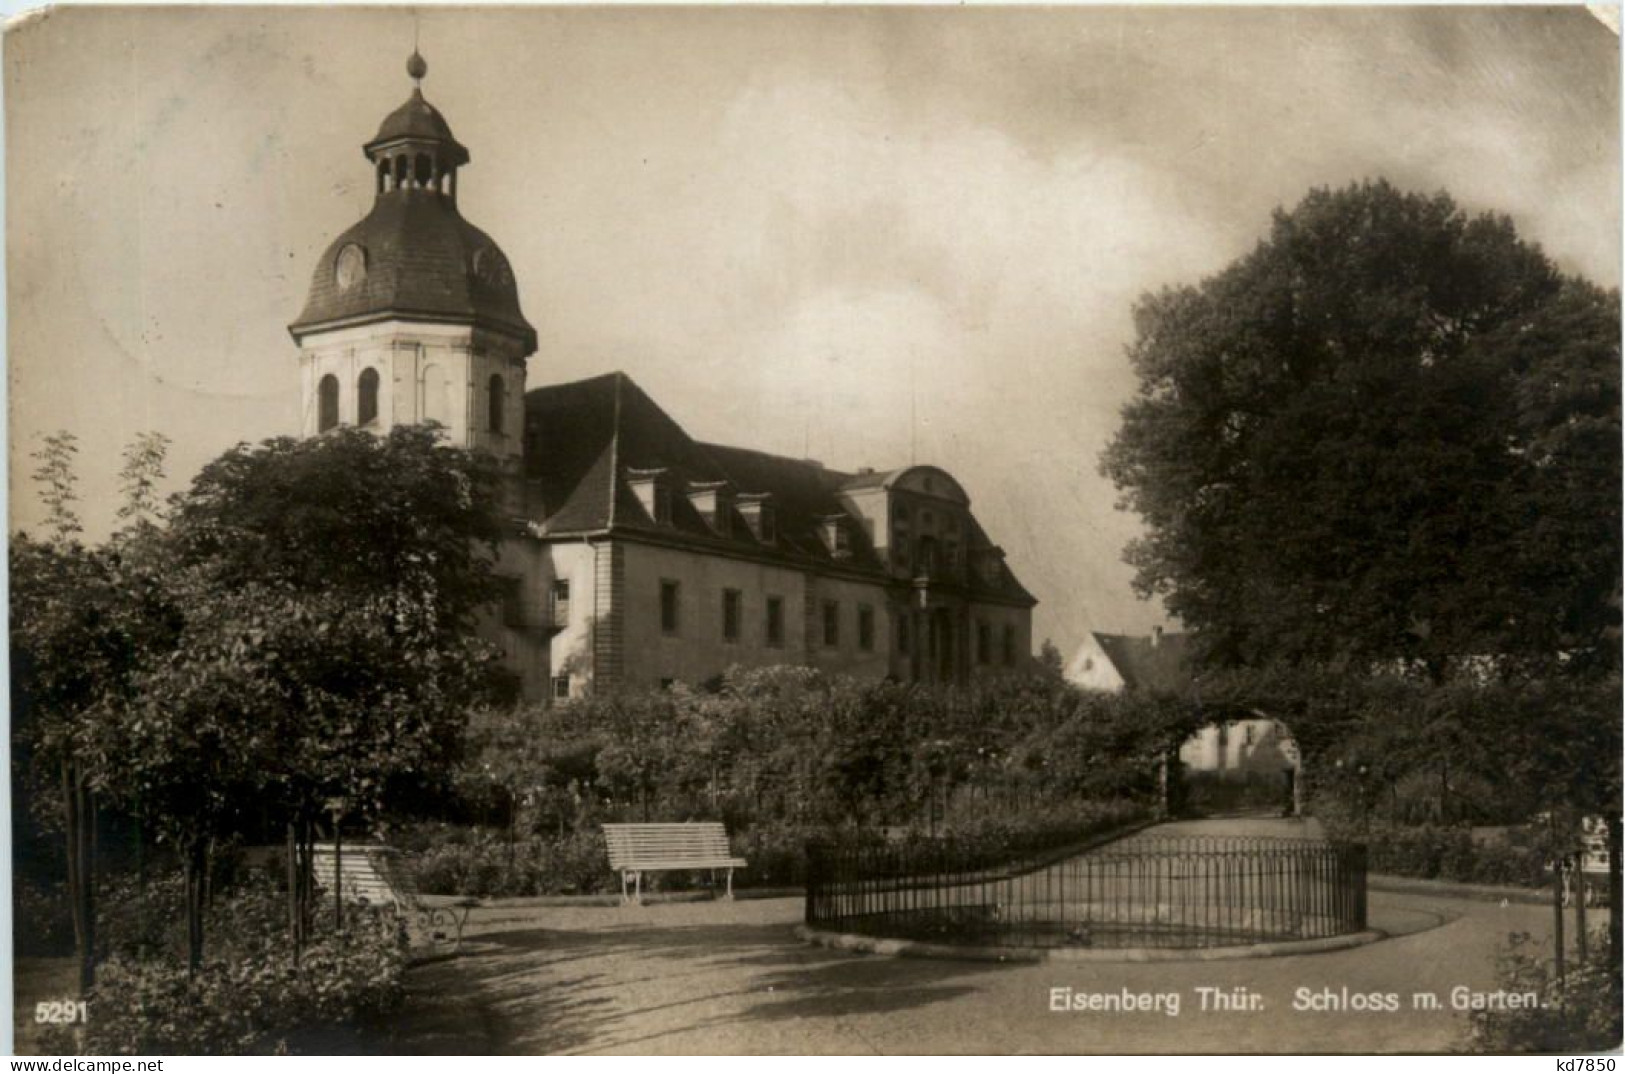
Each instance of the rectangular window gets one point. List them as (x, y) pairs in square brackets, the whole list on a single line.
[(769, 525), (984, 643), (866, 629), (561, 688), (559, 600), (662, 504), (668, 607), (775, 622), (731, 604), (1010, 646), (832, 624)]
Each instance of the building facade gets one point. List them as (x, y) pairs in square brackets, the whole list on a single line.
[(640, 556)]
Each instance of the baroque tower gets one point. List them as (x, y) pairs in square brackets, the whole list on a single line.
[(413, 313)]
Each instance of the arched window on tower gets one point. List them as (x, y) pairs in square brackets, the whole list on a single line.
[(366, 401), (436, 395), (402, 167), (327, 403), (498, 400), (422, 171)]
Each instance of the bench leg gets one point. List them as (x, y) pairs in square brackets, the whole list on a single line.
[(730, 883), (462, 922), (443, 925)]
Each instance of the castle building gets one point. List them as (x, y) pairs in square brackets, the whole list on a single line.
[(639, 556)]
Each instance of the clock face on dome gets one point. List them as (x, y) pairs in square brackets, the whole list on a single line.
[(492, 268), (350, 268)]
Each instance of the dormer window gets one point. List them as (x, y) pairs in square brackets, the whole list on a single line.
[(714, 500), (760, 514), (837, 533), (653, 491)]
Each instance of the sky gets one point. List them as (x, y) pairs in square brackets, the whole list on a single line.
[(864, 235)]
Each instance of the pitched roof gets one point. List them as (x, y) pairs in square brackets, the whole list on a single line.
[(1149, 663), (582, 441)]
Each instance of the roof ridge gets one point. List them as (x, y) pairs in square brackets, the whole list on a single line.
[(542, 388), (776, 457)]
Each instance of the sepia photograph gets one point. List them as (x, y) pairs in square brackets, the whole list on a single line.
[(813, 530)]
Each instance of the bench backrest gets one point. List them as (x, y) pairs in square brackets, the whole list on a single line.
[(367, 871), (631, 844)]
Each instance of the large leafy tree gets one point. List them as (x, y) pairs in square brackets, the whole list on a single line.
[(331, 591), (357, 567), (1389, 436)]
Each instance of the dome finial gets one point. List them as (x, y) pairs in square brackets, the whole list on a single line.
[(417, 67)]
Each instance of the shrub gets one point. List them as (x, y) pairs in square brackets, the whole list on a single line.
[(1232, 792), (42, 920), (793, 749), (250, 997), (481, 862), (135, 922), (1582, 1014), (1429, 852)]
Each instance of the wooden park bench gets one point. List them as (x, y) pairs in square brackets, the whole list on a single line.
[(635, 849), (373, 873)]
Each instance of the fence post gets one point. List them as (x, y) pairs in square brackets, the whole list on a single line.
[(1557, 916)]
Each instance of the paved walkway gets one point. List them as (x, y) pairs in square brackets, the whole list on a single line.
[(732, 978)]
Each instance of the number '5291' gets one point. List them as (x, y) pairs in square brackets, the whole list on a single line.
[(62, 1012)]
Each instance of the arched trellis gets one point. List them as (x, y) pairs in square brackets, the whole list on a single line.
[(1250, 743)]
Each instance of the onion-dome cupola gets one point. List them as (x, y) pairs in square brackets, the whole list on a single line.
[(413, 313), (414, 257), (414, 149)]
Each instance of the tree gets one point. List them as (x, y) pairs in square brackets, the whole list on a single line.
[(62, 654), (142, 473), (1388, 436), (334, 586), (1050, 661), (59, 485), (83, 619)]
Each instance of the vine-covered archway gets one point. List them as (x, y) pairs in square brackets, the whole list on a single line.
[(1246, 765)]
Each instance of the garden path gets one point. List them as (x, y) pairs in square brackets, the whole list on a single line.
[(733, 978)]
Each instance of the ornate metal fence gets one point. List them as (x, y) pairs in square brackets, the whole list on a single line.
[(1142, 892)]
